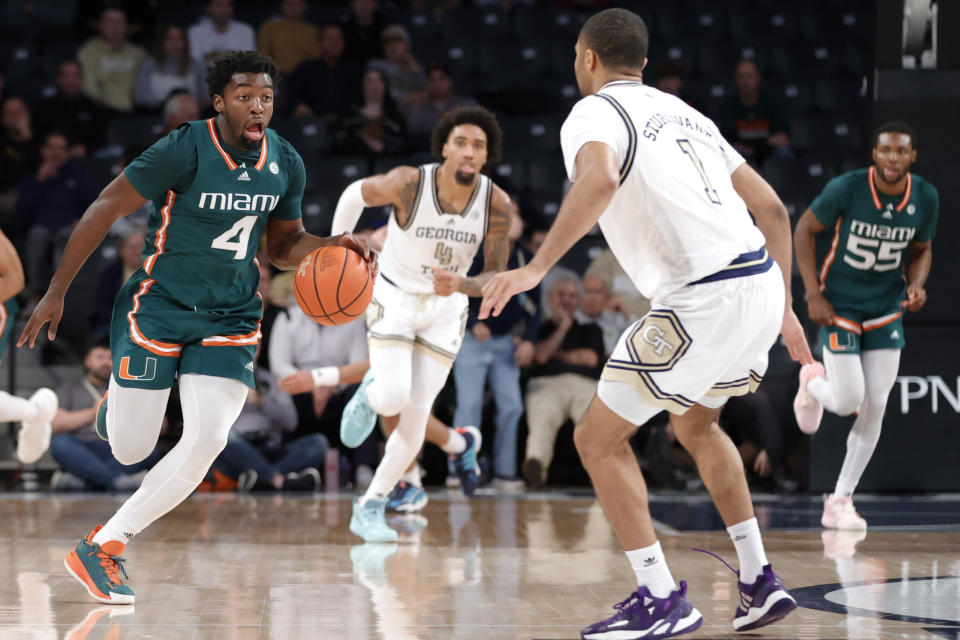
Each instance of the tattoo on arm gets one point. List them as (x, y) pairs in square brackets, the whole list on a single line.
[(496, 248), (406, 197)]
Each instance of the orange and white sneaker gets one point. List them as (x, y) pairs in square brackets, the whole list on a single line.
[(98, 568), (838, 513), (806, 408)]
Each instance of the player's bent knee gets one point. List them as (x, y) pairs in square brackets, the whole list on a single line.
[(848, 403), (128, 453)]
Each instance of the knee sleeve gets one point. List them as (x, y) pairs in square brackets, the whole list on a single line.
[(210, 407), (134, 418)]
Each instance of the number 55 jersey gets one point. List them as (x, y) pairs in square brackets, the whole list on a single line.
[(861, 255)]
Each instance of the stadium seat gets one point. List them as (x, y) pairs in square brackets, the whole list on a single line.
[(305, 134), (134, 131), (796, 96), (510, 172), (477, 25), (531, 132), (545, 173), (334, 173)]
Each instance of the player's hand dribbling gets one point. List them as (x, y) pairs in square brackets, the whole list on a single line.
[(358, 243), (445, 282), (506, 284), (49, 309), (916, 298), (794, 338), (820, 310)]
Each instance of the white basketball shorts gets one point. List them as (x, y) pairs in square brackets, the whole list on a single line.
[(698, 345), (422, 322)]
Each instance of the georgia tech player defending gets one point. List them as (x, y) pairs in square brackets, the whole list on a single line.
[(852, 244), (442, 212), (671, 197)]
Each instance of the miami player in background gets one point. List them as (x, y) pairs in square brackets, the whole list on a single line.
[(192, 311), (864, 249), (415, 323)]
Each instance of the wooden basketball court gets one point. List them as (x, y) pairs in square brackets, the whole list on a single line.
[(524, 566)]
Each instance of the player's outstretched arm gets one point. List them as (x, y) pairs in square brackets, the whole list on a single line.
[(597, 182), (496, 251), (397, 187), (774, 221), (118, 199), (11, 270), (820, 310)]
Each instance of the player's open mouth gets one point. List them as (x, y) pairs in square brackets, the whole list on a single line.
[(254, 130), (891, 173), (466, 168)]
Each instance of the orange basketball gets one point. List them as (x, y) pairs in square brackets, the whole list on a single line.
[(333, 285)]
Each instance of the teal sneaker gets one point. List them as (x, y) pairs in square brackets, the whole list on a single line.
[(465, 464), (98, 568), (358, 418), (369, 523), (100, 424)]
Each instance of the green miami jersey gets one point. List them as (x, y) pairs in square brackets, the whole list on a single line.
[(210, 207), (861, 255)]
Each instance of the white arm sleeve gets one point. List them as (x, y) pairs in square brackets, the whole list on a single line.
[(349, 208)]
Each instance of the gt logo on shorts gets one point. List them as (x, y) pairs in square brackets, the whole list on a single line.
[(149, 369), (654, 335), (657, 342)]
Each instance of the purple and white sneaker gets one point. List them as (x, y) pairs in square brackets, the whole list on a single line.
[(643, 616), (763, 602)]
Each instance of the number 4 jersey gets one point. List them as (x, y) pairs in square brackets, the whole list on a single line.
[(210, 206), (861, 255)]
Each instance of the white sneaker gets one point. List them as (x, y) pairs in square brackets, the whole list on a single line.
[(34, 437), (806, 408), (839, 513)]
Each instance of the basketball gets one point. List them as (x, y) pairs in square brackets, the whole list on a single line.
[(333, 285)]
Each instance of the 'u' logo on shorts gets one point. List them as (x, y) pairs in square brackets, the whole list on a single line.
[(149, 369)]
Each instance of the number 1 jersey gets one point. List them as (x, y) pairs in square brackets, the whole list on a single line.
[(861, 254), (676, 217), (210, 207)]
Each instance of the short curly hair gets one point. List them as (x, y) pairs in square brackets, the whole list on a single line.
[(223, 69), (475, 115)]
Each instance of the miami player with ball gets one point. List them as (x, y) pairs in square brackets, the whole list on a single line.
[(192, 311)]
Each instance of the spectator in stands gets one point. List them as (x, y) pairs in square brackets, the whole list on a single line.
[(753, 425), (569, 357), (404, 74), (288, 38), (375, 126), (179, 108), (624, 297), (595, 308), (82, 120), (751, 120), (75, 444), (321, 366), (493, 351), (259, 452), (170, 68), (18, 157), (271, 310), (50, 203), (113, 276), (668, 76), (362, 31), (218, 33), (423, 111), (110, 63), (326, 85)]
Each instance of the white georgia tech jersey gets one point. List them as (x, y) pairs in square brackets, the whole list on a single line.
[(676, 217), (434, 239)]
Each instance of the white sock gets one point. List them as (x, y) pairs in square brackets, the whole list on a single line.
[(115, 529), (456, 443), (412, 477), (652, 571), (16, 409), (749, 546)]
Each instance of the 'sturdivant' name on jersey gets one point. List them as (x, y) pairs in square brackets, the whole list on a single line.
[(451, 235), (238, 201), (660, 120), (881, 231)]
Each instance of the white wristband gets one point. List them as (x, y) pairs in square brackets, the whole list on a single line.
[(325, 376)]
